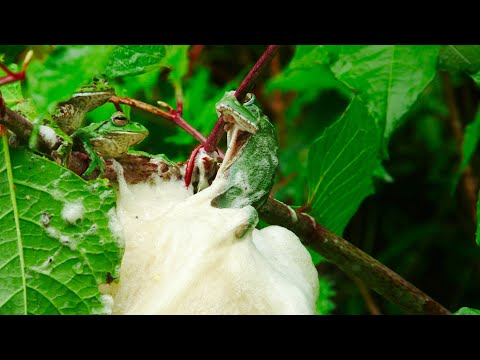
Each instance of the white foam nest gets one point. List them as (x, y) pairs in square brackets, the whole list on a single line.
[(183, 256)]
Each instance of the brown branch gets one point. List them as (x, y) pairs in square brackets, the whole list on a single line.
[(351, 259), (468, 180), (346, 256)]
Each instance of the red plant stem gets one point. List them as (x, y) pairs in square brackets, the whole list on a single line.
[(215, 136), (173, 116), (249, 81), (190, 165), (11, 76)]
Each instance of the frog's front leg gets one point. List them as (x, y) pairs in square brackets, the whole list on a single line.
[(95, 158)]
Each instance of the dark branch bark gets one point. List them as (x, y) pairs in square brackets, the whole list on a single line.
[(351, 259)]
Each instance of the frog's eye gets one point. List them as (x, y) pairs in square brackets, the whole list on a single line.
[(249, 99), (119, 119)]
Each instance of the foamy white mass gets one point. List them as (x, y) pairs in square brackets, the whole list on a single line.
[(183, 256)]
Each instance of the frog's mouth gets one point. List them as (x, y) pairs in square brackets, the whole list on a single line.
[(231, 116), (237, 138)]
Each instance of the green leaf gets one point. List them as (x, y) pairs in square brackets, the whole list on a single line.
[(325, 304), (63, 72), (388, 78), (469, 145), (477, 237), (12, 93), (460, 57), (466, 311), (381, 173), (476, 78), (307, 72), (56, 245), (307, 56), (470, 141), (177, 60), (135, 59), (341, 164)]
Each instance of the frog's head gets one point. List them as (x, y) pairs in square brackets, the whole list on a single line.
[(97, 85), (236, 113), (113, 137)]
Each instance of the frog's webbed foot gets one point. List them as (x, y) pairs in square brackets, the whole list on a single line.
[(95, 161)]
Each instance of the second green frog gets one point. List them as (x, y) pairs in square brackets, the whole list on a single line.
[(109, 139)]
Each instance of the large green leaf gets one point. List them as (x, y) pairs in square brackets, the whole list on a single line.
[(63, 72), (460, 57), (388, 78), (135, 59), (341, 163), (466, 311), (56, 243)]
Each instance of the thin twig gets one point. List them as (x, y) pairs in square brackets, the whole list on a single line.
[(367, 296), (172, 116), (468, 180)]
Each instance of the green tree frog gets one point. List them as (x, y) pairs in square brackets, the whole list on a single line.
[(109, 139), (70, 115), (251, 158)]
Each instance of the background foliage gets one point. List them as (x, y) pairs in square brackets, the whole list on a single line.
[(369, 145)]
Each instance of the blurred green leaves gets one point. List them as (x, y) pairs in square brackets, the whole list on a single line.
[(63, 71)]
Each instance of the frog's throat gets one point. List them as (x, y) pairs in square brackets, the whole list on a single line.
[(133, 137), (237, 140), (232, 116)]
